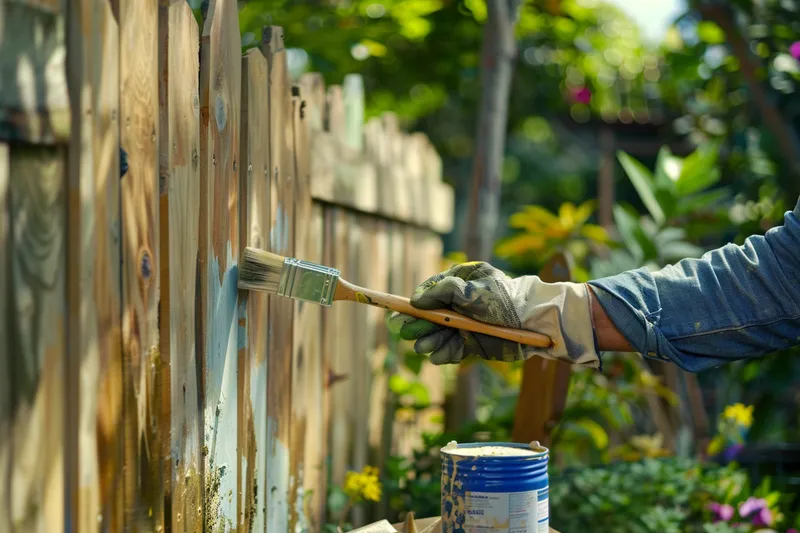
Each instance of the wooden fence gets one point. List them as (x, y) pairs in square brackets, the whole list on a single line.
[(139, 389)]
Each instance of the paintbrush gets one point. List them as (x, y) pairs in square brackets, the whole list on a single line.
[(309, 282)]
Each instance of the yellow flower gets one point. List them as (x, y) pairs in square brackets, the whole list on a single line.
[(739, 413), (363, 485), (353, 482)]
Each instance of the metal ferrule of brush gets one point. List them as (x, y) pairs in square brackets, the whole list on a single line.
[(308, 282)]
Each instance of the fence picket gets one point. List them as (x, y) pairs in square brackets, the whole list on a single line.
[(148, 393)]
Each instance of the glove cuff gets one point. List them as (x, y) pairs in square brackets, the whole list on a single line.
[(563, 312)]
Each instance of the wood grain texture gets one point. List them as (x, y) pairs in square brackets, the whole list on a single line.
[(254, 317), (94, 374), (34, 103), (341, 426), (303, 335), (142, 371), (279, 365), (314, 471), (220, 94), (543, 392), (32, 413), (179, 162)]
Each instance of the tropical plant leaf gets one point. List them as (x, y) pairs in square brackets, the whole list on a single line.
[(642, 181), (532, 218), (626, 225), (520, 244), (700, 170)]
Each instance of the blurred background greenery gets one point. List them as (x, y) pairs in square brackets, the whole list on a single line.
[(639, 133)]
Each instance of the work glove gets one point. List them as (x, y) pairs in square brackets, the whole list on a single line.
[(562, 311)]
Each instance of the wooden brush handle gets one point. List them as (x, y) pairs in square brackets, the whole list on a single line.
[(346, 291)]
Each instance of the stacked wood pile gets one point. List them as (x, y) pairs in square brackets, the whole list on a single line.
[(139, 389)]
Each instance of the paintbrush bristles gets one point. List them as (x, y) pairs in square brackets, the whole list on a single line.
[(260, 270)]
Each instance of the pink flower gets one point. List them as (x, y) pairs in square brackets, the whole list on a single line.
[(722, 512), (751, 505), (582, 95), (794, 50), (763, 517)]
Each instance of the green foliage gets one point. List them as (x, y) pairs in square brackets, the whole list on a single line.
[(655, 496), (683, 205)]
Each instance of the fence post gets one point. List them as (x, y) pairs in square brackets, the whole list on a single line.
[(543, 392)]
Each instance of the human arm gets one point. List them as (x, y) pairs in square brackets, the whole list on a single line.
[(736, 302)]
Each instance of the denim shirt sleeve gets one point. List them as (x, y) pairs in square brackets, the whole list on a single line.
[(735, 302)]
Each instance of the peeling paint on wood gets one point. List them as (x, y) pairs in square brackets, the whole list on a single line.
[(220, 94), (279, 369), (253, 317)]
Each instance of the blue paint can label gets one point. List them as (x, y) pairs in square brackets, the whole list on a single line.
[(495, 488), (507, 512)]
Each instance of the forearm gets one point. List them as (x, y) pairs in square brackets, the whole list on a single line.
[(735, 302), (608, 337)]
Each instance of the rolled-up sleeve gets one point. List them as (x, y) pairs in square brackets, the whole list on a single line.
[(736, 302)]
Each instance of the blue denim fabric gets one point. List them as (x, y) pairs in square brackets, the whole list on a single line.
[(736, 302)]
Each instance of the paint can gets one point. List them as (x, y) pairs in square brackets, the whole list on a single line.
[(495, 487)]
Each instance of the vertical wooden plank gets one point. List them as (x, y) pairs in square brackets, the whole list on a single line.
[(5, 333), (315, 478), (94, 375), (279, 364), (179, 162), (341, 363), (303, 335), (31, 418), (329, 346), (33, 319), (253, 313), (220, 93), (142, 371), (543, 392)]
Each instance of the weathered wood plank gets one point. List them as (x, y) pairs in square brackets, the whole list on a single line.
[(340, 435), (315, 479), (279, 364), (142, 375), (179, 162), (543, 392), (303, 335), (6, 414), (32, 413), (254, 319), (94, 374), (328, 350), (34, 102), (220, 94)]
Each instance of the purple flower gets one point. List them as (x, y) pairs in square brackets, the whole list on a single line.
[(794, 50), (751, 505), (732, 451), (763, 517), (722, 511), (792, 530)]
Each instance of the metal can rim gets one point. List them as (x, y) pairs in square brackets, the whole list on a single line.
[(519, 445)]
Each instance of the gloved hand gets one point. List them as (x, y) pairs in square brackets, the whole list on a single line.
[(562, 311)]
